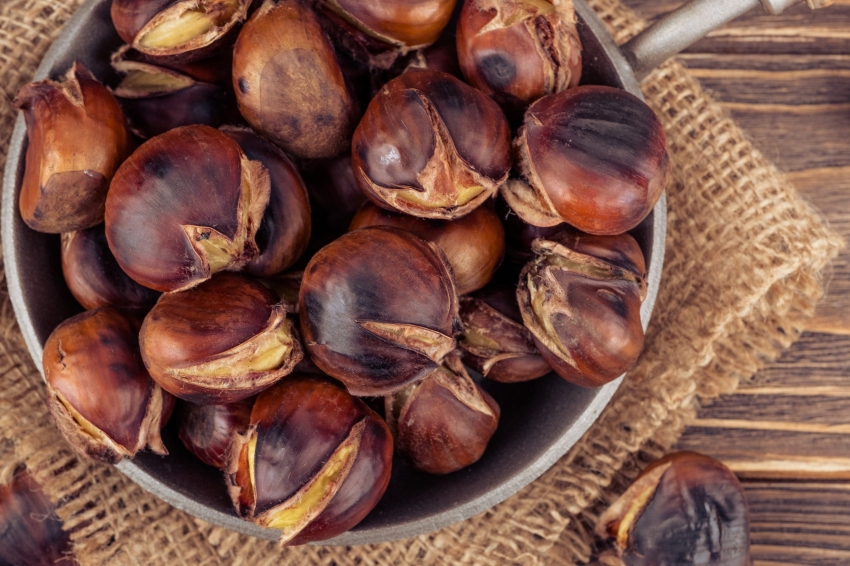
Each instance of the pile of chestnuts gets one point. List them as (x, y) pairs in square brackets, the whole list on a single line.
[(287, 205)]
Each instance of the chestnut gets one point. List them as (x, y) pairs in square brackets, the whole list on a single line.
[(288, 83), (187, 204), (378, 309), (220, 342), (77, 139), (580, 298), (594, 157), (684, 509), (214, 70), (314, 462), (287, 286), (285, 229), (519, 50), (98, 391), (207, 430), (431, 146), (444, 422), (95, 278), (177, 30), (474, 244), (30, 532), (494, 342)]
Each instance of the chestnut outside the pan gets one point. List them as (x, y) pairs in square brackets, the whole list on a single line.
[(540, 420)]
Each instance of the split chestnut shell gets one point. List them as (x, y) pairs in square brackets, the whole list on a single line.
[(378, 309), (313, 463), (580, 298), (225, 340)]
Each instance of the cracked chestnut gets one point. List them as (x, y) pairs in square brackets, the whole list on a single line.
[(101, 396), (580, 298), (431, 146), (474, 244), (519, 50), (196, 202), (207, 430), (443, 423), (220, 342), (77, 139), (288, 83), (685, 509), (594, 157), (494, 341), (378, 309), (314, 462)]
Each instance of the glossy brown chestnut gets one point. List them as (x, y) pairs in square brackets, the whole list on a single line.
[(185, 205), (314, 462), (494, 342), (30, 532), (685, 509), (288, 83), (98, 391), (95, 278), (220, 342), (178, 30), (519, 50), (580, 298), (474, 244), (207, 430), (285, 229), (77, 139), (431, 146), (214, 70), (444, 422), (594, 157), (378, 309), (442, 54)]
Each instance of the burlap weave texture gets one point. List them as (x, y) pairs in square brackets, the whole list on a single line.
[(743, 268)]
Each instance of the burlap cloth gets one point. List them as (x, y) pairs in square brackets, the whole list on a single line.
[(744, 264)]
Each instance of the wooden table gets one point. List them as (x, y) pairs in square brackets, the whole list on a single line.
[(786, 433)]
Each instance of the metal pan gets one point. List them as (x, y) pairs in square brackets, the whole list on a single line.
[(540, 421)]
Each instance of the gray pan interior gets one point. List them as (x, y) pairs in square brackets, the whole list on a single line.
[(540, 420)]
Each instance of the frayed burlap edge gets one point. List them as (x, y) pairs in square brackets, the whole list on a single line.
[(742, 270)]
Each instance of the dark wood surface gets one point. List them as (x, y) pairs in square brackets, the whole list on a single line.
[(786, 433)]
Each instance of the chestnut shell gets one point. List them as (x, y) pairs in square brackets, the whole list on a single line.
[(208, 430)]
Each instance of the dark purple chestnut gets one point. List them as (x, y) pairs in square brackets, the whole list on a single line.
[(684, 509), (378, 309), (207, 430), (431, 146), (444, 422), (220, 342), (580, 298), (594, 157), (77, 138), (187, 204), (101, 396), (95, 278), (314, 462)]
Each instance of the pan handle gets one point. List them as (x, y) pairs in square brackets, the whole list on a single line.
[(684, 26)]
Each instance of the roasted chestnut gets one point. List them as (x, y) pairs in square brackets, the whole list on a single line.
[(287, 286), (214, 70), (177, 30), (580, 298), (519, 50), (431, 146), (207, 430), (30, 532), (592, 156), (474, 244), (185, 205), (378, 309), (685, 509), (98, 391), (95, 278), (220, 342), (77, 139), (313, 463), (444, 422), (494, 342), (288, 83)]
